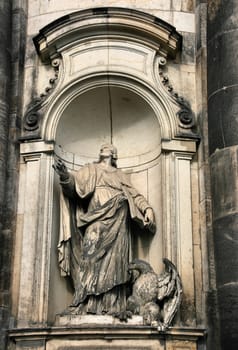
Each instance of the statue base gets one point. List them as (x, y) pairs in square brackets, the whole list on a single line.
[(92, 320), (91, 332)]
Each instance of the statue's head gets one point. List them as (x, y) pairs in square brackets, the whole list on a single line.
[(108, 150)]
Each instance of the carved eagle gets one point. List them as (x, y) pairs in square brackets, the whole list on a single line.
[(155, 297)]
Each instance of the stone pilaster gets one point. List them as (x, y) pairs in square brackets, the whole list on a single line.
[(223, 147), (5, 73), (12, 43), (208, 313)]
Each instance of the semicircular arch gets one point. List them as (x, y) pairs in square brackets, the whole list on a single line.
[(159, 104)]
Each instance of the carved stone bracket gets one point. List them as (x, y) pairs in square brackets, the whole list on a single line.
[(185, 113), (33, 115)]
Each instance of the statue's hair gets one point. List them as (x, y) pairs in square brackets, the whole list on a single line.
[(112, 149)]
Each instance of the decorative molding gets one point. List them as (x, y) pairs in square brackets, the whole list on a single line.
[(187, 147), (32, 117), (185, 113), (121, 331), (32, 157), (121, 30), (121, 336), (114, 22), (36, 147), (96, 80), (184, 231)]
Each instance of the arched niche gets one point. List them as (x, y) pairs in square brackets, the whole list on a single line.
[(107, 86), (111, 114)]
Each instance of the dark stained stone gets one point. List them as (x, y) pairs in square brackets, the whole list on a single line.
[(221, 58), (222, 17), (226, 252), (188, 48), (222, 120)]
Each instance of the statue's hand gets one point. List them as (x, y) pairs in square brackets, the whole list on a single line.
[(61, 170), (150, 219)]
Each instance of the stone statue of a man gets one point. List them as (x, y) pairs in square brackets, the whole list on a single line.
[(98, 203)]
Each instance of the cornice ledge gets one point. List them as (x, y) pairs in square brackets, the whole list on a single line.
[(107, 332), (105, 22)]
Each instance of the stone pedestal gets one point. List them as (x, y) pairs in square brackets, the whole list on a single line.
[(81, 332), (95, 320)]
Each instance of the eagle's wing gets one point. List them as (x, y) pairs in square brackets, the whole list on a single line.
[(169, 291)]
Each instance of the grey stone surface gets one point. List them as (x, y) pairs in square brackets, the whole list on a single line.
[(12, 31), (221, 54), (223, 124), (222, 17), (5, 235), (225, 219), (223, 129), (201, 26), (224, 182), (226, 238), (188, 49)]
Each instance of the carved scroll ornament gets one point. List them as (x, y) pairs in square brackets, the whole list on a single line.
[(185, 113), (32, 117)]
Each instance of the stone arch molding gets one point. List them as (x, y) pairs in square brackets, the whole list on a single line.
[(114, 47)]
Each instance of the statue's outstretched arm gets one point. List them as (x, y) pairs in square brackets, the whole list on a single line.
[(61, 169), (66, 179)]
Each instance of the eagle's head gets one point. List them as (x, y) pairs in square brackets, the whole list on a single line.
[(140, 265)]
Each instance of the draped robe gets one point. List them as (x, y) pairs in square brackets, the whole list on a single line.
[(97, 204)]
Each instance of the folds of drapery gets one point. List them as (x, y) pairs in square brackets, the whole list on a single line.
[(74, 219)]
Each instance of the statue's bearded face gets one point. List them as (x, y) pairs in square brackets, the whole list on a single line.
[(108, 150)]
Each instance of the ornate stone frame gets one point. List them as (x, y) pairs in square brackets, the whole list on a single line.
[(63, 44)]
